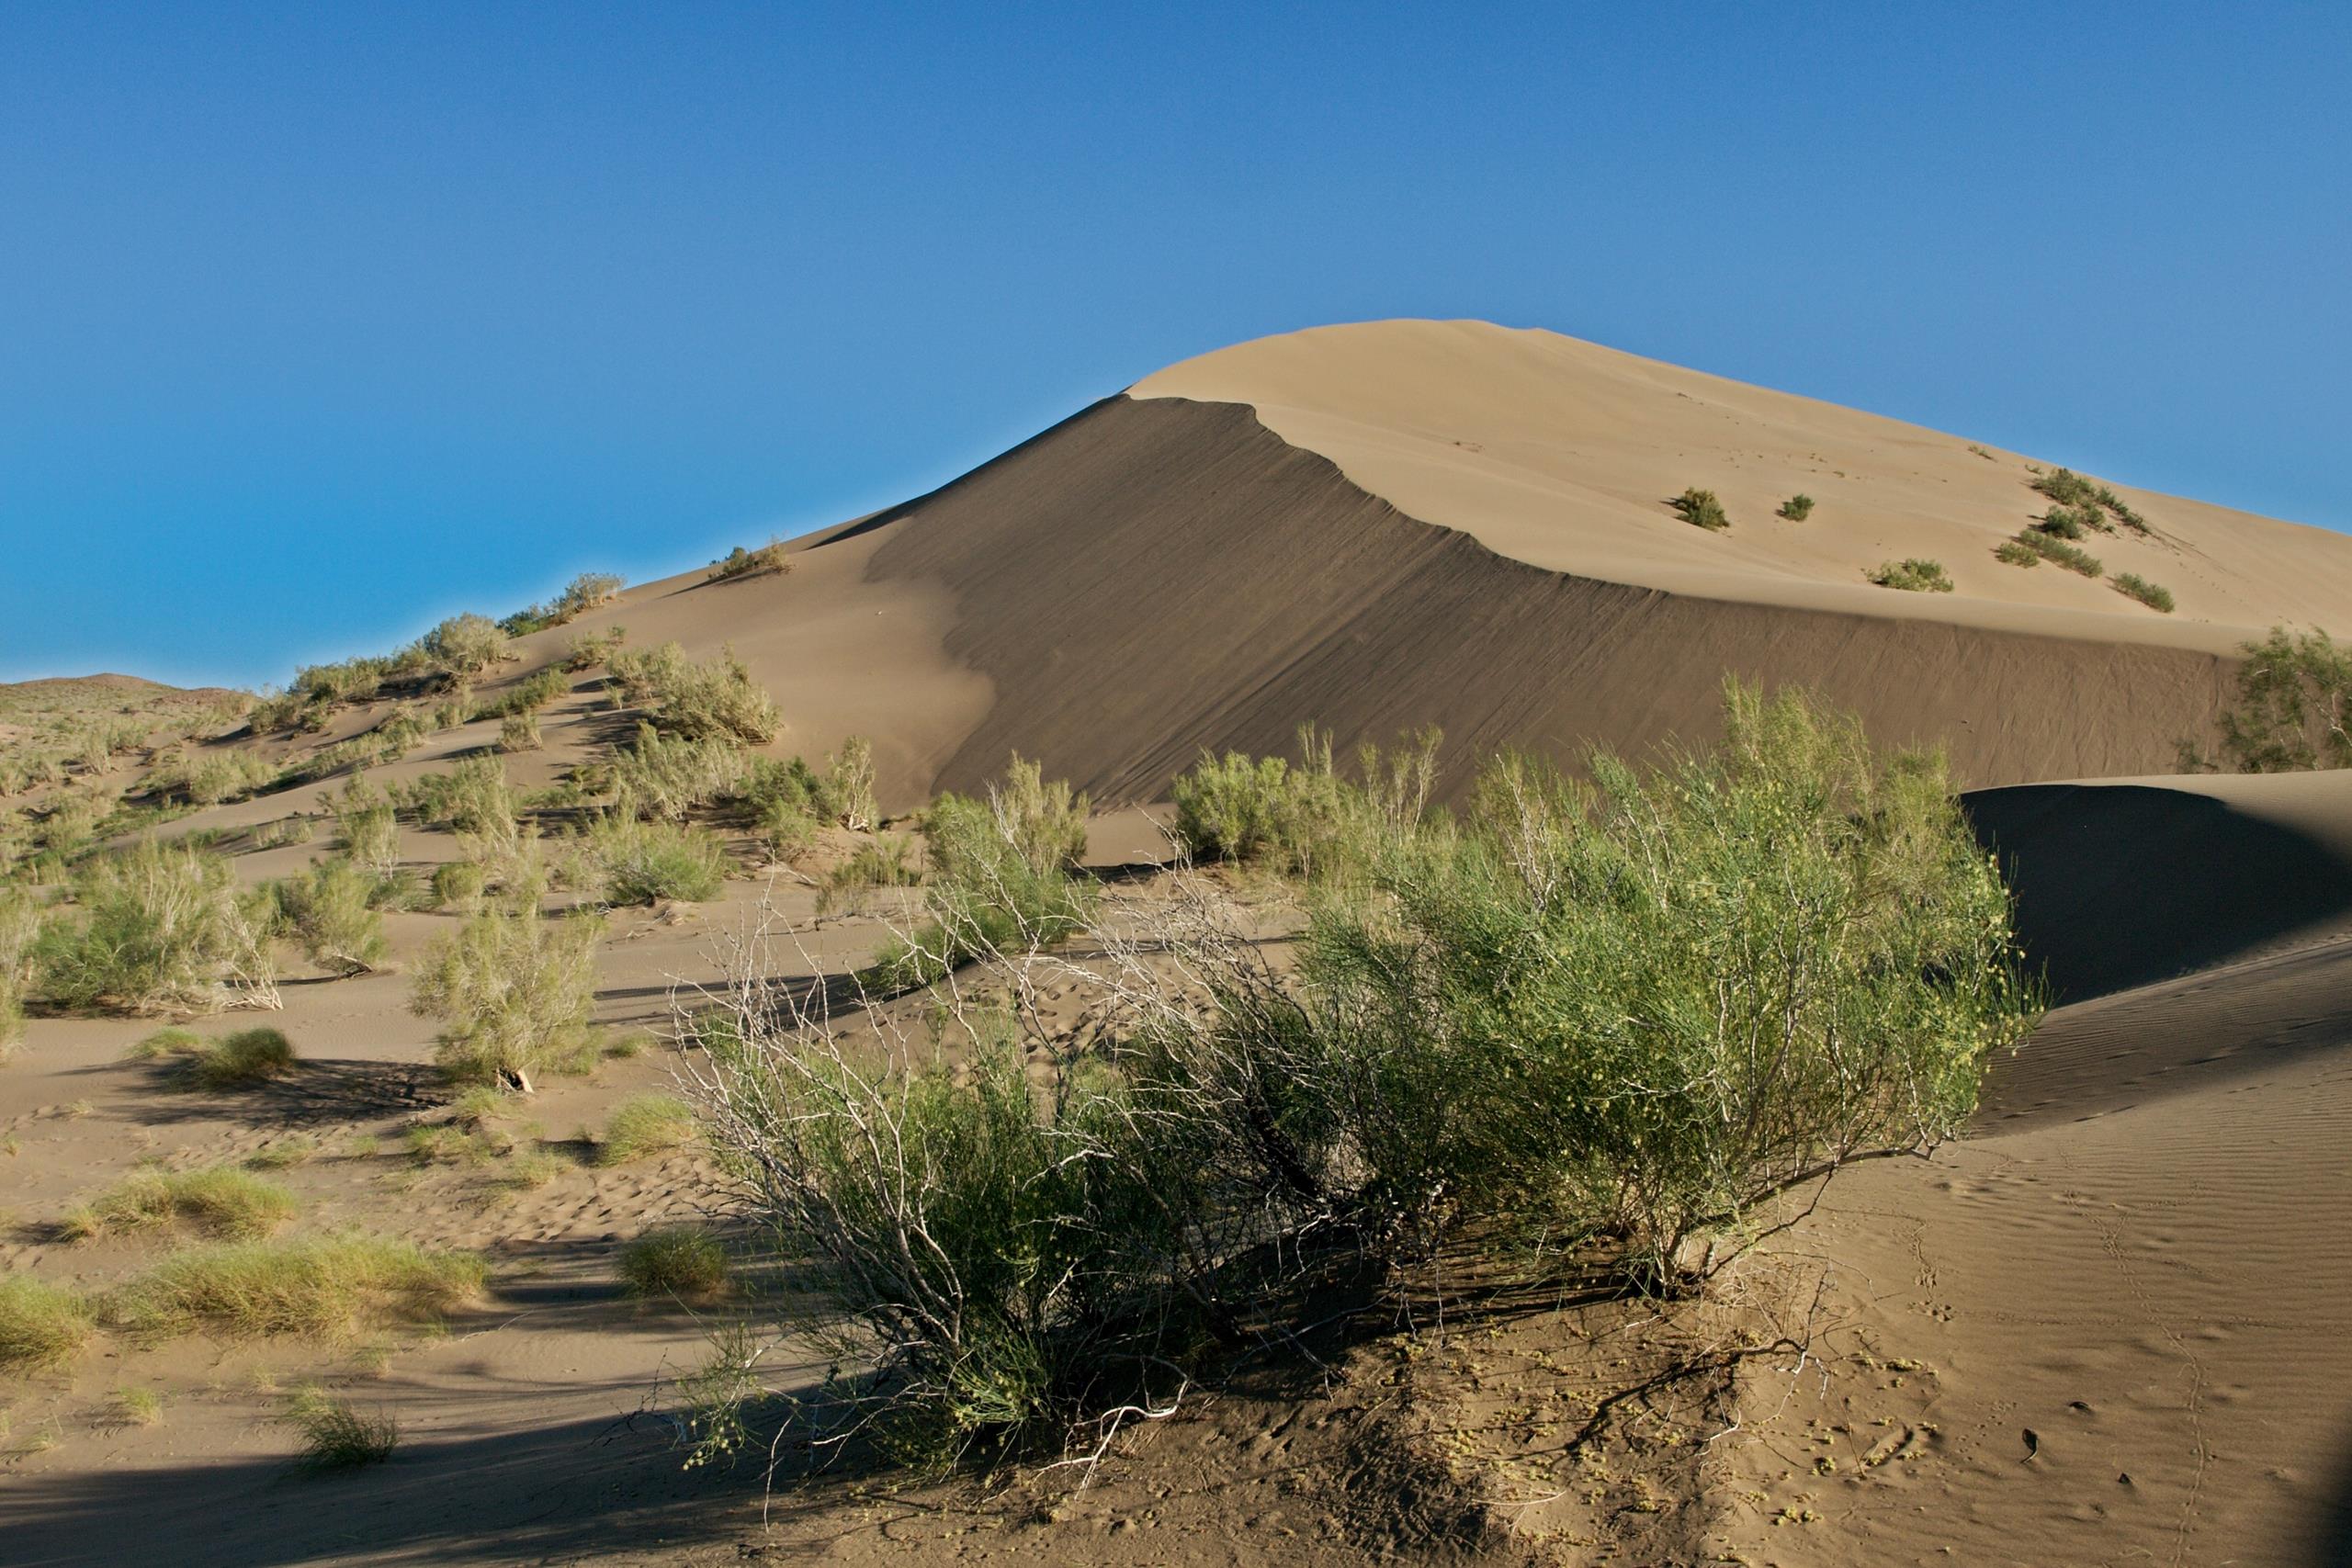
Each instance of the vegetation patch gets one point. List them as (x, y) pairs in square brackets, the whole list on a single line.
[(646, 1125), (325, 1289), (681, 1261), (219, 1201), (739, 562), (1913, 576), (157, 927), (1797, 508), (1701, 509), (513, 992), (243, 1060), (2293, 706), (2048, 547), (335, 1435), (41, 1326), (629, 862), (2132, 585)]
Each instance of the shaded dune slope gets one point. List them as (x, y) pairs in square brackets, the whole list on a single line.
[(1150, 579)]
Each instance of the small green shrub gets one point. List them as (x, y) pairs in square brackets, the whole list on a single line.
[(367, 828), (2073, 521), (630, 862), (2132, 585), (2012, 553), (473, 797), (513, 992), (2293, 707), (331, 912), (739, 562), (1914, 577), (667, 776), (1701, 509), (681, 1261), (241, 1060), (714, 699), (519, 732), (1797, 508), (588, 652), (459, 885), (20, 922), (220, 1201), (335, 1436), (2050, 548), (884, 862), (41, 1326), (311, 1288), (645, 1125)]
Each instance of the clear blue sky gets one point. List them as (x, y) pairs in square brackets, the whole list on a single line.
[(318, 321)]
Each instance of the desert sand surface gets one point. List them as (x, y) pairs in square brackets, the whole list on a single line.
[(2140, 1254)]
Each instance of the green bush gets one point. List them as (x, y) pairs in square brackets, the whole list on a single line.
[(459, 885), (473, 797), (1700, 508), (2013, 553), (1913, 576), (1797, 508), (330, 912), (741, 563), (588, 652), (1307, 820), (519, 732), (629, 862), (584, 593), (513, 992), (681, 1261), (2132, 585), (667, 776), (21, 920), (41, 1326), (2050, 548), (2293, 708), (367, 828), (527, 695), (220, 1201), (2072, 521), (1626, 1015), (464, 645), (241, 1060), (157, 926)]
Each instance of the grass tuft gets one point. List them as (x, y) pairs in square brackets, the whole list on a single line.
[(1913, 576), (40, 1324), (647, 1124), (220, 1201), (316, 1287), (683, 1262), (334, 1435), (240, 1060)]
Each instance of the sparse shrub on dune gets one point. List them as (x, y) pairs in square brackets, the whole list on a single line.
[(2073, 521), (2293, 706), (886, 862), (2050, 548), (685, 1262), (473, 797), (2013, 553), (1701, 509), (513, 991), (335, 1435), (21, 920), (633, 675), (527, 695), (465, 645), (1306, 821), (586, 654), (321, 1288), (1913, 576), (2133, 586), (584, 593), (330, 911), (241, 1060), (847, 795), (368, 827), (158, 926), (645, 1125), (458, 885), (41, 1326), (667, 776), (219, 1201), (519, 732), (626, 861), (739, 562), (1797, 508)]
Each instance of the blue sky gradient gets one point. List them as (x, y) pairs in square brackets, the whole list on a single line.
[(319, 321)]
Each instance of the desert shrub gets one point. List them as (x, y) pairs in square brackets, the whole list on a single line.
[(228, 775), (527, 695), (513, 991), (284, 831), (368, 827), (999, 879), (322, 1288), (335, 1435), (519, 732), (1797, 508), (645, 1125), (584, 593), (2012, 553), (1913, 576), (330, 912), (2132, 585), (2293, 706), (741, 563), (2086, 503), (1700, 508), (630, 862), (633, 675), (21, 920), (1619, 1018), (2050, 548), (846, 792), (683, 1262), (586, 654), (714, 699), (464, 645), (41, 1325), (220, 1201), (886, 862), (2067, 487), (158, 926), (2073, 521), (667, 776), (473, 797), (1307, 820), (458, 885), (240, 1060)]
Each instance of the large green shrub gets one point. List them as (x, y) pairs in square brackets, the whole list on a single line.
[(330, 911), (629, 862), (2294, 705), (1913, 576), (700, 700), (158, 926), (1701, 509), (464, 645), (513, 992)]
